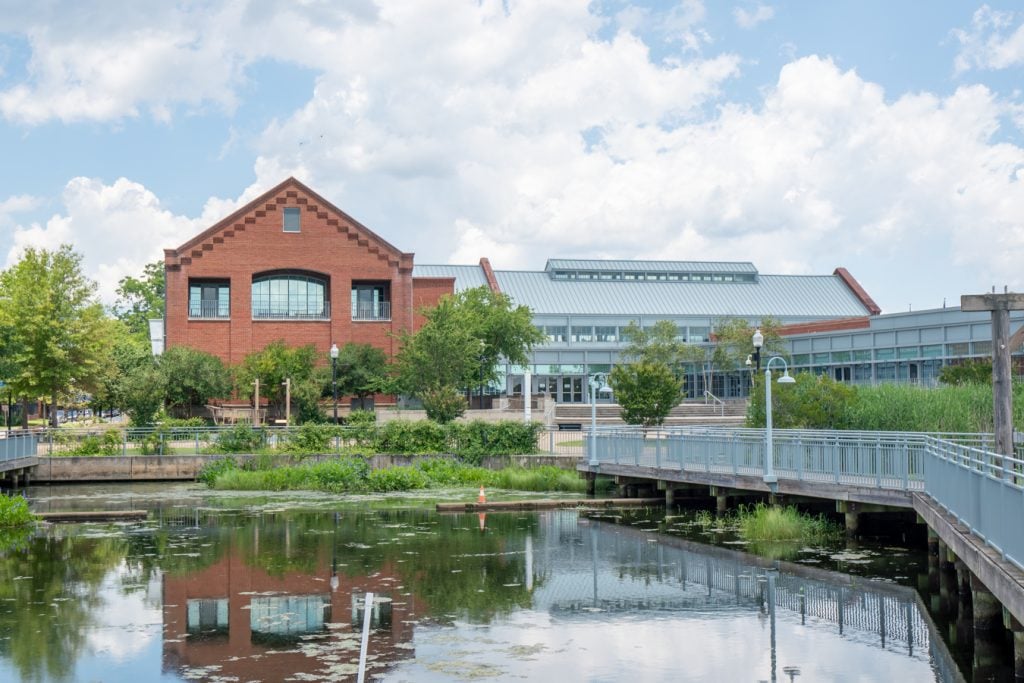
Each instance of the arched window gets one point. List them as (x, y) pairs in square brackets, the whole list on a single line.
[(290, 296)]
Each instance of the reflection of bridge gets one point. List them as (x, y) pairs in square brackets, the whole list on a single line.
[(968, 496), (582, 566)]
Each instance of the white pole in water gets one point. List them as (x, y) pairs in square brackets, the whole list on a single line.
[(367, 613)]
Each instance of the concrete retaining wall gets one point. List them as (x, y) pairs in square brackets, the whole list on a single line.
[(185, 467)]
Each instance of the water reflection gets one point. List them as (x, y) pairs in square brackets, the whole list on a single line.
[(278, 595)]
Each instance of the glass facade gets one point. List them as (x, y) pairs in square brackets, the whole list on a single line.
[(290, 297)]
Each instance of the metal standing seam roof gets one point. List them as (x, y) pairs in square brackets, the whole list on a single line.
[(466, 277), (651, 266), (779, 296)]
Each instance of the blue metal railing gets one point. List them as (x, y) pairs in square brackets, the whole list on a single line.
[(981, 489), (16, 445)]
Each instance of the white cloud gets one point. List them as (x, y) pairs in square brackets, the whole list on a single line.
[(750, 18), (527, 129), (995, 40), (117, 228)]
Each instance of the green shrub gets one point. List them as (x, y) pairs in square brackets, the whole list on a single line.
[(443, 404), (210, 471), (404, 437), (397, 479), (361, 417), (14, 511), (240, 439), (451, 472), (108, 442), (312, 437)]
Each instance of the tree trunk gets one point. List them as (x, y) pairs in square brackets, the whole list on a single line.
[(24, 413), (53, 409)]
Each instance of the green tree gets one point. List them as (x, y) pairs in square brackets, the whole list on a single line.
[(275, 363), (734, 342), (503, 330), (192, 377), (7, 364), (660, 344), (362, 370), (141, 393), (460, 344), (438, 360), (647, 391), (813, 402), (125, 354), (57, 326), (141, 299), (978, 371)]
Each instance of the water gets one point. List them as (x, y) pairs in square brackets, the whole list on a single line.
[(218, 587)]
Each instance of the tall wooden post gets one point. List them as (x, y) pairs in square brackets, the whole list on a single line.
[(1002, 390)]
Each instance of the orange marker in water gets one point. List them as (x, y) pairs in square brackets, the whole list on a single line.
[(481, 498)]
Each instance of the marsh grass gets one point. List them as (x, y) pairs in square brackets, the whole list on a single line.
[(352, 474), (770, 524)]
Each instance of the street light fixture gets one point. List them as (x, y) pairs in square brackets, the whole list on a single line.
[(769, 457), (758, 340), (334, 379), (598, 382)]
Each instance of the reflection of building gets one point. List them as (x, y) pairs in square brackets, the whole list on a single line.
[(232, 614)]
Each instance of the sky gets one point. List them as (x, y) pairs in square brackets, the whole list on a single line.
[(886, 138)]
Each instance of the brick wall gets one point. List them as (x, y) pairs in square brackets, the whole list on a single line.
[(329, 244)]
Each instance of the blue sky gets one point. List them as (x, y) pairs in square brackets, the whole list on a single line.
[(882, 137)]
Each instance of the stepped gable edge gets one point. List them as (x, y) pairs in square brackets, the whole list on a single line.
[(289, 189)]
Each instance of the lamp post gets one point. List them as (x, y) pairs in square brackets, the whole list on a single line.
[(334, 379), (769, 457), (482, 358), (758, 341), (287, 383), (596, 381)]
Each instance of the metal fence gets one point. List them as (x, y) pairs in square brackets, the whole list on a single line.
[(888, 460), (16, 445), (983, 490)]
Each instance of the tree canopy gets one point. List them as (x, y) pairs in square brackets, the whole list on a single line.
[(647, 391), (461, 342), (57, 329), (140, 299), (362, 370), (192, 377), (660, 344)]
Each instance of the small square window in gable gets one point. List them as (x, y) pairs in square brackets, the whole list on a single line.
[(291, 218)]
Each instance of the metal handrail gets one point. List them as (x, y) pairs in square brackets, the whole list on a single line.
[(714, 399)]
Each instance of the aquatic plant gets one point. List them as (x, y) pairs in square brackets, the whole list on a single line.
[(14, 512), (773, 523)]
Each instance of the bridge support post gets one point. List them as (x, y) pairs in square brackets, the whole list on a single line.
[(852, 520), (987, 611), (591, 483), (721, 503), (988, 630), (1018, 648)]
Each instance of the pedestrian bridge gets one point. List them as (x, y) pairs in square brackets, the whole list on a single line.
[(971, 497)]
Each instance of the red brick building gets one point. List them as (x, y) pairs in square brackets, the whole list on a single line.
[(291, 266)]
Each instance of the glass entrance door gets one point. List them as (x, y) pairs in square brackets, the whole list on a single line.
[(571, 390)]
